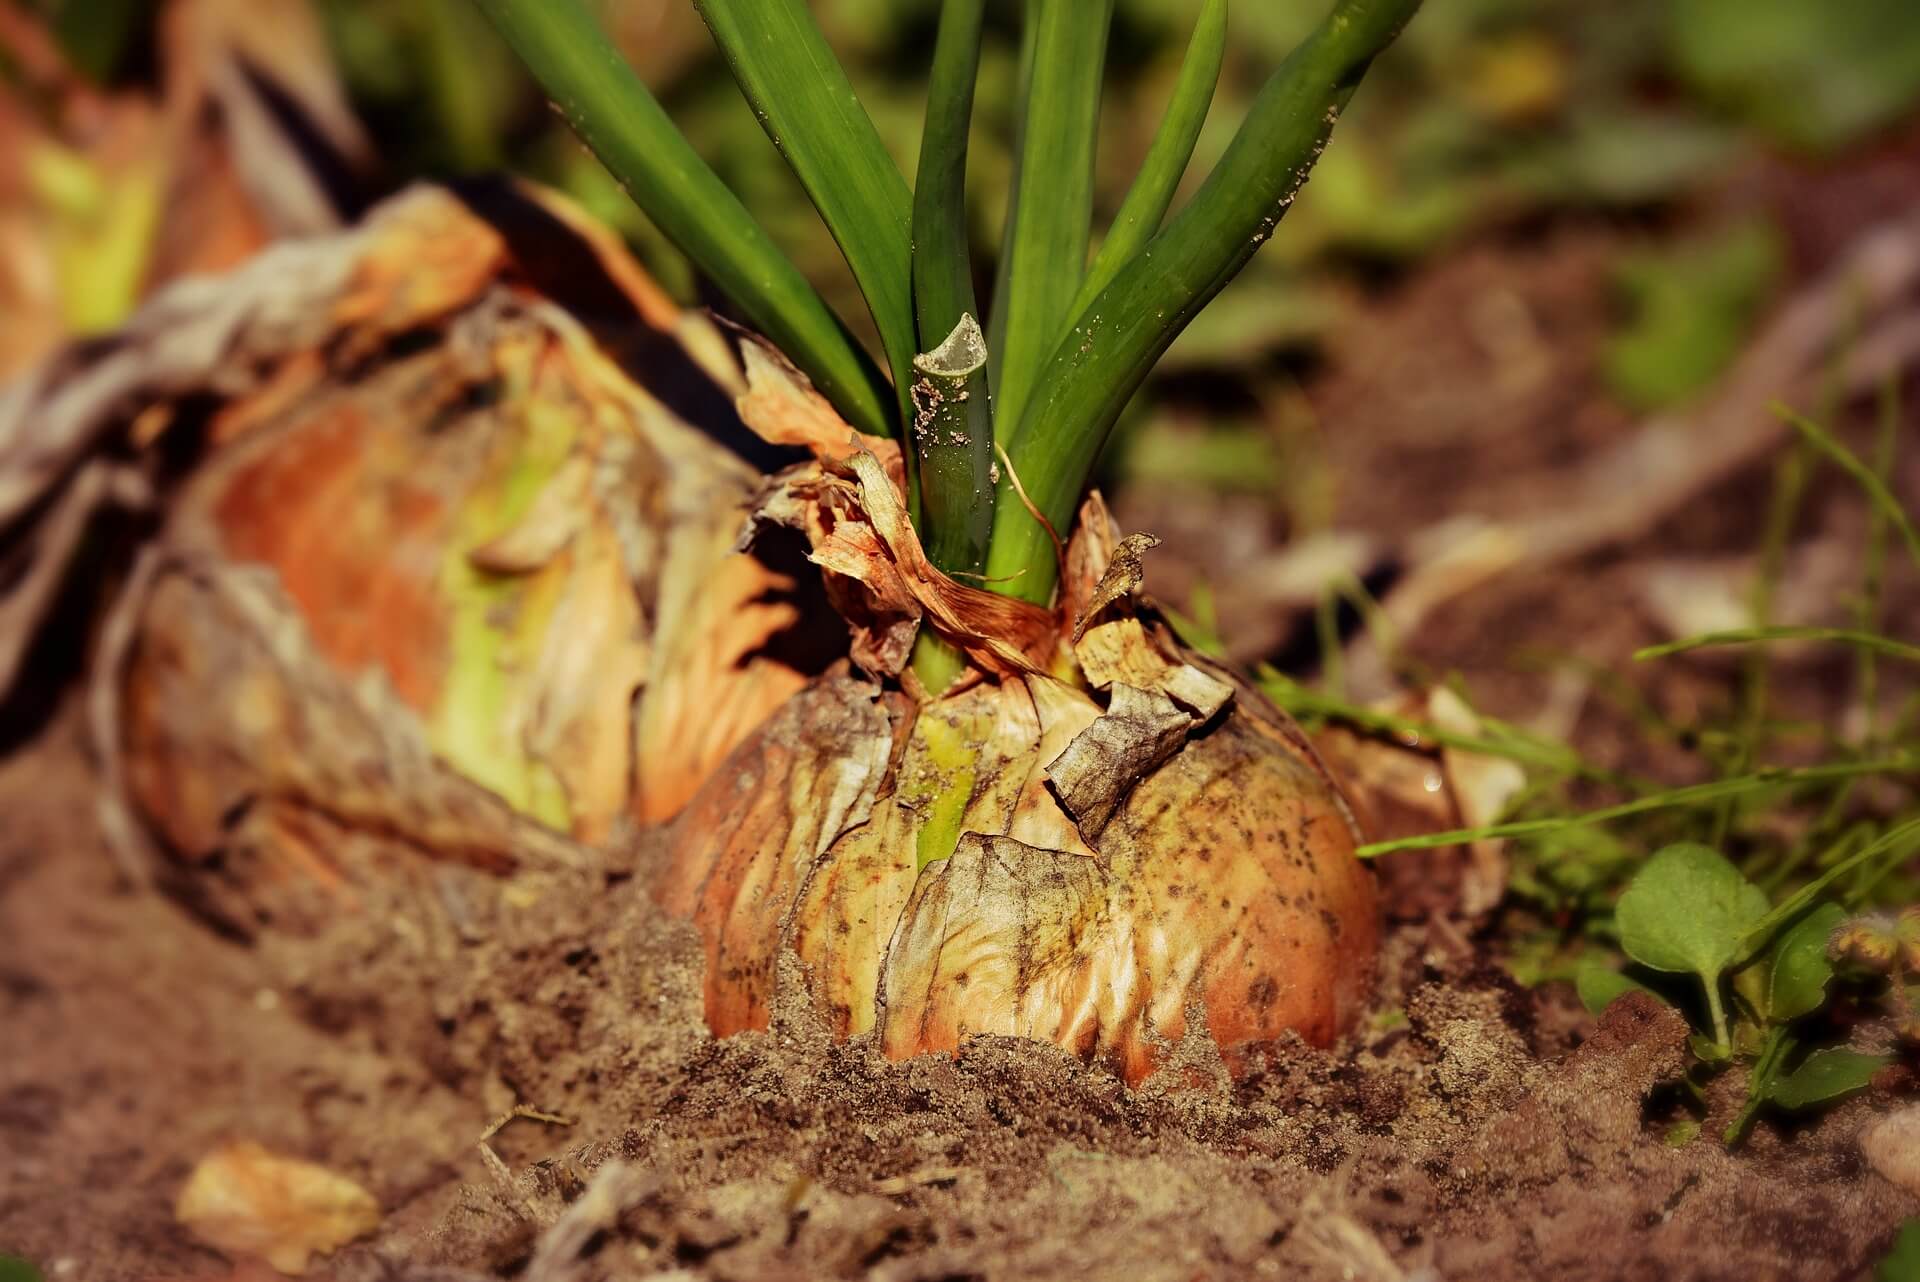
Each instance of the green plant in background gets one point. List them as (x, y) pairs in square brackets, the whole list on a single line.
[(1814, 76), (1483, 112), (1691, 307), (1771, 889), (15, 1269), (1069, 341), (1690, 911), (1902, 1261)]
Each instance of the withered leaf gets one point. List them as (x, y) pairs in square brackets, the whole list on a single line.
[(1123, 576), (1140, 730), (248, 1201)]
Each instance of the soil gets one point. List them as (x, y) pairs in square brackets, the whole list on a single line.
[(1474, 1129), (1492, 1136)]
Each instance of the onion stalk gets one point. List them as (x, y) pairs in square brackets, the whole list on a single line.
[(1069, 341)]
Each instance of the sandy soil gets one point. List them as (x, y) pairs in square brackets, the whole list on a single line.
[(1477, 1141), (1474, 1130)]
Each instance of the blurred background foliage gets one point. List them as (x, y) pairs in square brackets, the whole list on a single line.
[(1488, 112)]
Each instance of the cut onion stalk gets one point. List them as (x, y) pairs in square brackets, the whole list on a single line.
[(1095, 839)]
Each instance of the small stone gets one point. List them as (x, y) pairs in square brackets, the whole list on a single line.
[(1892, 1148)]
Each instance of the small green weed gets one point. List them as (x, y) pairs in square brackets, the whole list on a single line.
[(1761, 902), (15, 1269), (1690, 911), (1902, 1263)]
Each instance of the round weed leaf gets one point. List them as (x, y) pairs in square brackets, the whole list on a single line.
[(1825, 1075), (1902, 1263), (1687, 910), (1798, 969)]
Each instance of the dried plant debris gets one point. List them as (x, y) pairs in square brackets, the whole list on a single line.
[(113, 193), (248, 1201)]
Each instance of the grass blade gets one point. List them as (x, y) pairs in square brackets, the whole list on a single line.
[(1870, 641), (807, 106), (1526, 750), (1874, 572), (1762, 931), (1877, 492), (1151, 194), (1095, 369), (952, 452), (1693, 795), (1043, 256), (612, 111), (942, 261)]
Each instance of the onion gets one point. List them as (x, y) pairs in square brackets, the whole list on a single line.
[(448, 577), (1097, 840)]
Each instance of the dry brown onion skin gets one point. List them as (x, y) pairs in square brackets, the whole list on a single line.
[(1224, 881), (447, 574), (1226, 884)]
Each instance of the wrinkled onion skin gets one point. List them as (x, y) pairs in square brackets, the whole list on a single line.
[(738, 855), (1240, 856), (1227, 879)]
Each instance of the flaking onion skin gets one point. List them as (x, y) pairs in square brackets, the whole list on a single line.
[(441, 570), (739, 852), (1227, 878), (1225, 882)]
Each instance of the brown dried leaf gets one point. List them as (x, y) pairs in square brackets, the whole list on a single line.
[(1139, 731), (1124, 651), (1119, 581), (246, 1201), (782, 405), (1089, 553), (851, 510), (1410, 789)]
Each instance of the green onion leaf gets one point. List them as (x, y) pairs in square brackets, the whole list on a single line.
[(807, 106), (1100, 363), (1043, 256), (612, 111), (951, 451), (1151, 194), (950, 436)]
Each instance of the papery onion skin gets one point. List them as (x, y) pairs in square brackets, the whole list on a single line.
[(1088, 855), (1226, 882)]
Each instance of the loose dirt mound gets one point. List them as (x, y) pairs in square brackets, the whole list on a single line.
[(1476, 1141)]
